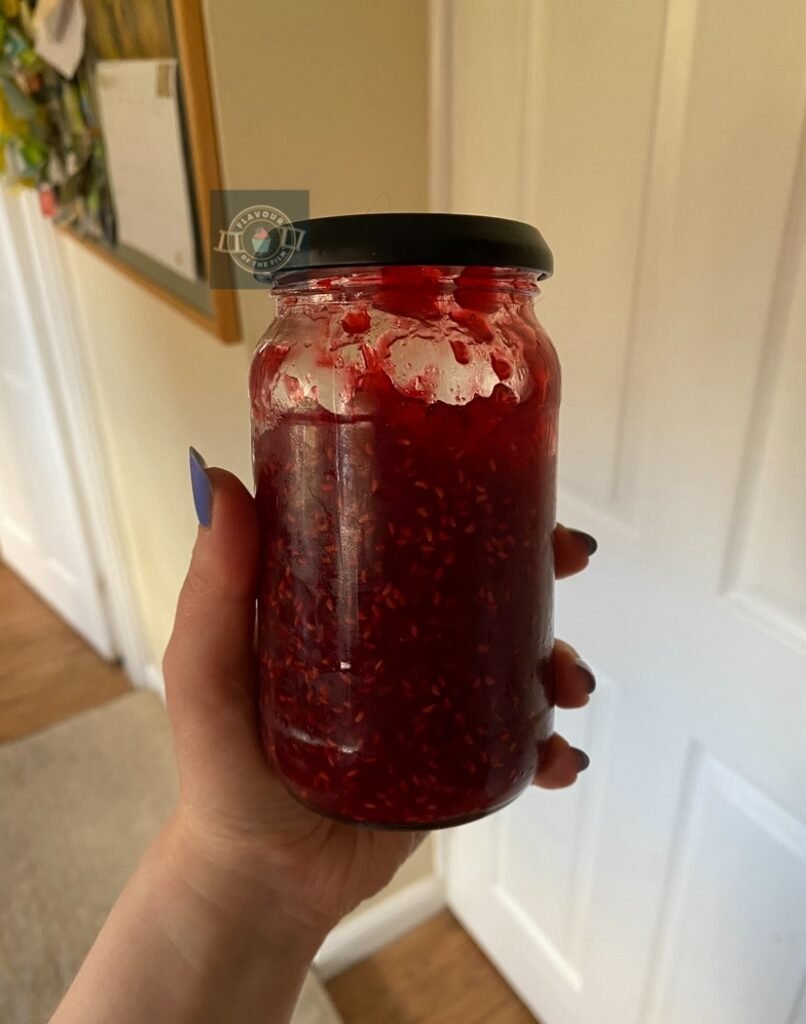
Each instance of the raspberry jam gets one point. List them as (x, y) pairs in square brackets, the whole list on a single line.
[(404, 439)]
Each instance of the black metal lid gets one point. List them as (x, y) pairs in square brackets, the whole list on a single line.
[(429, 239)]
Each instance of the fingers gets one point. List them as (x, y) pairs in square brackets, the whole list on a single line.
[(561, 764), (574, 680), (209, 676), (209, 670), (572, 551)]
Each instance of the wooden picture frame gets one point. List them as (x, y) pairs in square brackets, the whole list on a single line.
[(216, 310)]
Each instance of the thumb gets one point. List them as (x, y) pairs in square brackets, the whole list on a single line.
[(209, 661)]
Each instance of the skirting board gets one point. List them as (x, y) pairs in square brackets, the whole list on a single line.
[(367, 931)]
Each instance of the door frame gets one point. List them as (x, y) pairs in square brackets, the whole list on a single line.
[(64, 359)]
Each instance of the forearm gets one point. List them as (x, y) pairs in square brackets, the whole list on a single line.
[(182, 945)]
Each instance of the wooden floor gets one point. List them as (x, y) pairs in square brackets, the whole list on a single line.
[(47, 672), (434, 975)]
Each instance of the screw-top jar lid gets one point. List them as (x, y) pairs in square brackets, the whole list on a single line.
[(428, 239)]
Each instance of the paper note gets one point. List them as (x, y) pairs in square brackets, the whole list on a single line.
[(148, 175), (59, 34)]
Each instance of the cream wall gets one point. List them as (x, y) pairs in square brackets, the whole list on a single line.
[(160, 384), (328, 96), (320, 95)]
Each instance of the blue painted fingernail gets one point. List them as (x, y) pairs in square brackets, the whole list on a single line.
[(202, 488)]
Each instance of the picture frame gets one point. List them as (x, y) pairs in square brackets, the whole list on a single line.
[(215, 310)]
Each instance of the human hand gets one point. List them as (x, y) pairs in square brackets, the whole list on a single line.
[(229, 904), (246, 839)]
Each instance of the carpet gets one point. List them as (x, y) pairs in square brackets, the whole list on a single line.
[(79, 803)]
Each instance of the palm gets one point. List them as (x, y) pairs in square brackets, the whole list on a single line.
[(237, 803), (332, 865), (340, 865)]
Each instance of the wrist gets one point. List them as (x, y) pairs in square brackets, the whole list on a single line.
[(212, 900)]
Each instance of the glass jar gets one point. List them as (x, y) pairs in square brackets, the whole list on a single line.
[(404, 410)]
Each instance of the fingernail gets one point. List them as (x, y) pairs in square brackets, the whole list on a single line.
[(582, 758), (591, 543), (587, 671), (202, 488)]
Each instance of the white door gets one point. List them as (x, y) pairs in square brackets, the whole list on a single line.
[(661, 147), (42, 533)]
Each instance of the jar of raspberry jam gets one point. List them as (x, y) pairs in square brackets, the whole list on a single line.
[(404, 410)]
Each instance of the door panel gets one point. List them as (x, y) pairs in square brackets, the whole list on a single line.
[(661, 147), (42, 532), (766, 561), (736, 899)]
